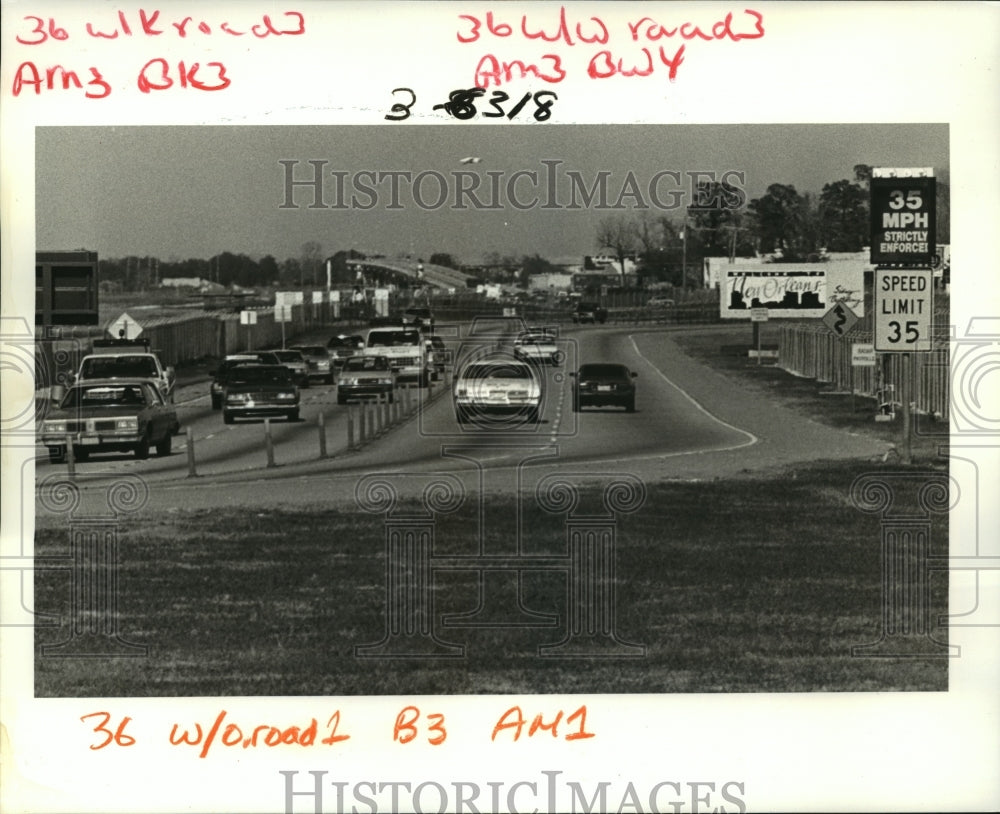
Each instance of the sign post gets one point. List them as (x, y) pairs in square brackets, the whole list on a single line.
[(283, 314), (904, 303), (862, 355), (903, 247), (757, 316), (125, 328), (249, 318)]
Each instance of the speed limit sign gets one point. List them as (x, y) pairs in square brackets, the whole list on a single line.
[(904, 306)]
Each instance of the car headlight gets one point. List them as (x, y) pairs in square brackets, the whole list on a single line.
[(127, 424), (345, 382), (54, 426), (237, 398), (286, 395), (387, 380)]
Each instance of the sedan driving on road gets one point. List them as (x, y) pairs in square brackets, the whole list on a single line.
[(320, 366), (260, 390), (365, 377), (538, 347), (295, 362), (110, 415), (221, 375), (603, 384), (344, 346), (498, 387)]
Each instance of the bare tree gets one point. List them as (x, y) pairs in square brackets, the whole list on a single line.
[(619, 233)]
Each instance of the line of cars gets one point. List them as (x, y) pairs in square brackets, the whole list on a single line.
[(120, 399), (122, 402), (390, 353)]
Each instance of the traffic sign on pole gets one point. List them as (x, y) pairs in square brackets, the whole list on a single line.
[(904, 305), (840, 319), (125, 328)]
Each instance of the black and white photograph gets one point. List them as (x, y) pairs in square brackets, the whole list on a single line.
[(454, 433), (427, 421)]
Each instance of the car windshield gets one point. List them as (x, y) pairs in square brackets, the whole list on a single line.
[(496, 371), (125, 396), (603, 372), (107, 367), (393, 339), (345, 342), (362, 363), (313, 350), (288, 355), (230, 365), (263, 374)]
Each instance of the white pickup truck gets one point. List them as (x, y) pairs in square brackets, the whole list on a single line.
[(407, 350), (116, 359)]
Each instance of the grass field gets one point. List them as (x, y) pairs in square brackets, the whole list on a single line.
[(760, 583), (745, 585)]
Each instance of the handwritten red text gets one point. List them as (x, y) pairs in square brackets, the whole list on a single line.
[(564, 30)]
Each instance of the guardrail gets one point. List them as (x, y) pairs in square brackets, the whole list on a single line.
[(920, 379)]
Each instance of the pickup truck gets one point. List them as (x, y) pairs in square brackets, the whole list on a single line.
[(590, 312), (406, 350), (121, 361)]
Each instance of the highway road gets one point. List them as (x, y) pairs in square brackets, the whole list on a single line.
[(690, 423)]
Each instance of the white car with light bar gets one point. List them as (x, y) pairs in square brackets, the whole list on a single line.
[(110, 415), (498, 388)]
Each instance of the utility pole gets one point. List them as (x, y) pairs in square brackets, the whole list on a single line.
[(684, 253)]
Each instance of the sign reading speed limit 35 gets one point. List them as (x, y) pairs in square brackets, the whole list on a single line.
[(904, 306)]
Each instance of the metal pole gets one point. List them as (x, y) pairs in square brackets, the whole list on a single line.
[(321, 424), (350, 426), (268, 443), (70, 456), (906, 394), (192, 472), (364, 422)]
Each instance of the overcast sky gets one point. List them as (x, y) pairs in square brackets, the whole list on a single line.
[(183, 191)]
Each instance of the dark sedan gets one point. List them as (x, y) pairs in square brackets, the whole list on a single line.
[(603, 384), (260, 390)]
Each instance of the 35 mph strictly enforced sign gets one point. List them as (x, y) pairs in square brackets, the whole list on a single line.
[(904, 306), (903, 217)]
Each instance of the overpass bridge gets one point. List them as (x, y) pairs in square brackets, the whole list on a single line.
[(437, 276)]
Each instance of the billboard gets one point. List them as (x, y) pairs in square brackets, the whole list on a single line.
[(790, 291)]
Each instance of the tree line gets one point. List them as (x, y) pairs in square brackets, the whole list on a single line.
[(794, 227)]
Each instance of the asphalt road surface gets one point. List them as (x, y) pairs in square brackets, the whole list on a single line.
[(690, 423)]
